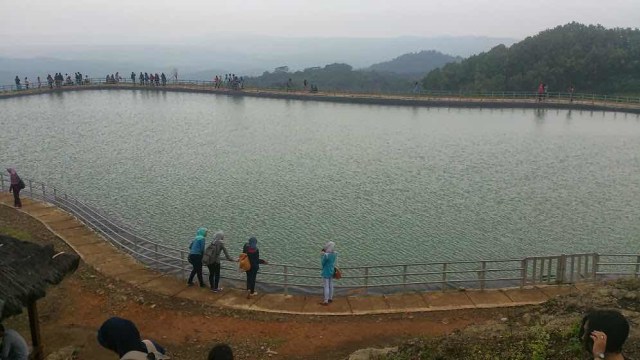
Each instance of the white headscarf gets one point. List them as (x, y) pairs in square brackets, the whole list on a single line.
[(328, 247), (218, 236)]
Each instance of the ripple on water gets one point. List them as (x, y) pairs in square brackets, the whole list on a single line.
[(388, 184)]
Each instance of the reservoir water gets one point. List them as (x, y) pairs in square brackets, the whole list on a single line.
[(387, 184)]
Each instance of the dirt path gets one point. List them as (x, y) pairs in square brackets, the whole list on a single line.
[(72, 312)]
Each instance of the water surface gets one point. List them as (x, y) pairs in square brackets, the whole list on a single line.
[(387, 184)]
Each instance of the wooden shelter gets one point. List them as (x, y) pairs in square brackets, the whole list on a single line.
[(26, 269)]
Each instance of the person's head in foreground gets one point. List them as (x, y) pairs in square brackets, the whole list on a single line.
[(221, 352), (603, 332), (122, 337)]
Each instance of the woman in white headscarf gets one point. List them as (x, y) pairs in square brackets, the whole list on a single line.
[(212, 259), (328, 262)]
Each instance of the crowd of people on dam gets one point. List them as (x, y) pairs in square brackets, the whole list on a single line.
[(230, 81), (602, 334)]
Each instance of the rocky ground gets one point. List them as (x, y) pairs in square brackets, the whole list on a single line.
[(72, 312), (547, 331)]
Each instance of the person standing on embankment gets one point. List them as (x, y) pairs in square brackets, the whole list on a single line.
[(196, 251)]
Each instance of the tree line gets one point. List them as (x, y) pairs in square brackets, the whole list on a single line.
[(590, 58)]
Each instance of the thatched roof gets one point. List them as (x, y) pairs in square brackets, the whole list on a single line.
[(26, 269)]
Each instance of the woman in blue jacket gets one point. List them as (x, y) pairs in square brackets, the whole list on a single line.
[(328, 262), (196, 251)]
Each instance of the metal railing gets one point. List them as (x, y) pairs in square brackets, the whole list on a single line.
[(467, 96), (478, 274)]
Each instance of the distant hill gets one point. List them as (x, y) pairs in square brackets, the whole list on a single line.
[(592, 58), (337, 76), (234, 53), (413, 64)]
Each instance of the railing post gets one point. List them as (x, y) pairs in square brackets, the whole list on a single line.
[(183, 265), (286, 280), (43, 192), (155, 253), (594, 266), (404, 276), (483, 274), (366, 280), (55, 194), (560, 269), (444, 276), (523, 272)]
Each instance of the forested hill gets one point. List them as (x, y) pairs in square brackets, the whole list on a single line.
[(339, 77), (415, 63), (592, 58)]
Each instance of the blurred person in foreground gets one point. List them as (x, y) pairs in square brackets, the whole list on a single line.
[(122, 337), (221, 352), (603, 332)]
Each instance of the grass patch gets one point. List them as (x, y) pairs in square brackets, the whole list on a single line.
[(15, 233)]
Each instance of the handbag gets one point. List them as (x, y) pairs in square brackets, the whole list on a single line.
[(21, 184), (243, 262), (337, 273)]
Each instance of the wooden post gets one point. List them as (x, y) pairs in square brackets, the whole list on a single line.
[(34, 325)]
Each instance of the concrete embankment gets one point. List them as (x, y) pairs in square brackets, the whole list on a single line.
[(111, 262), (370, 99)]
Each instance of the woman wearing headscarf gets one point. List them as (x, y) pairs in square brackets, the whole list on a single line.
[(251, 249), (15, 187), (196, 251), (212, 259), (122, 337), (328, 262)]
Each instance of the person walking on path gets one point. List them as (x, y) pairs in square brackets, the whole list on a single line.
[(251, 249), (12, 345), (15, 187), (17, 80), (212, 259), (196, 251), (122, 337), (328, 262), (540, 91)]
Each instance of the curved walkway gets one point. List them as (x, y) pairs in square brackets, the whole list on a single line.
[(99, 254), (359, 98)]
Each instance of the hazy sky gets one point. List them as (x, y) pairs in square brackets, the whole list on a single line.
[(126, 21)]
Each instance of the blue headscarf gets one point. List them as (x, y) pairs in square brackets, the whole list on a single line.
[(120, 335), (253, 242)]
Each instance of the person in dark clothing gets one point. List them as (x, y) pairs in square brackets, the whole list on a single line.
[(164, 79), (220, 352), (15, 187), (141, 78), (17, 80), (146, 78), (196, 251), (133, 78), (251, 249), (122, 337)]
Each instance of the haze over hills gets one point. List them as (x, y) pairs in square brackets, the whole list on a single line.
[(414, 64), (247, 55)]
